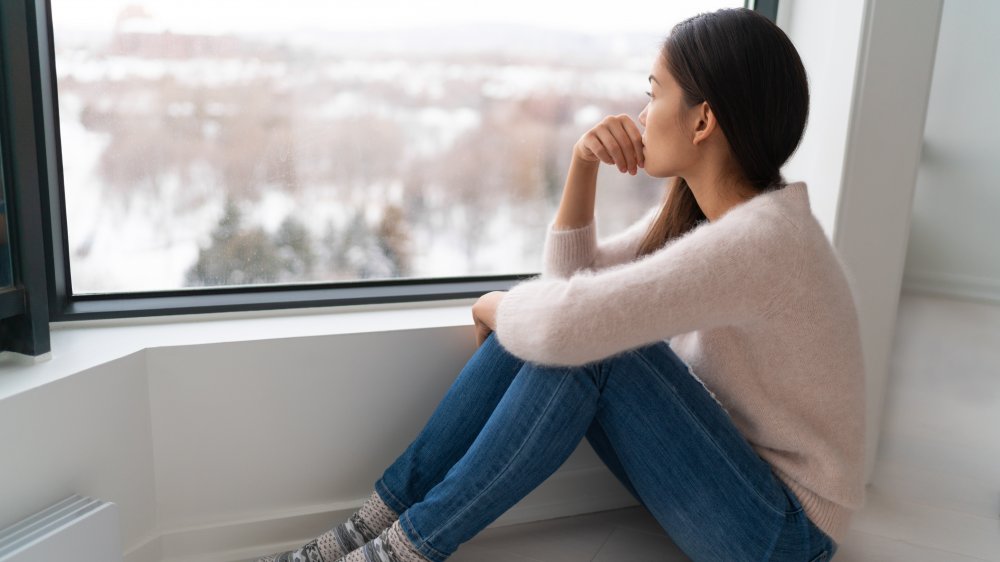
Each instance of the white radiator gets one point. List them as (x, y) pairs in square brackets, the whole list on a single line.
[(77, 529)]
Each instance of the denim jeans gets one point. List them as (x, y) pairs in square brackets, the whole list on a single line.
[(506, 425)]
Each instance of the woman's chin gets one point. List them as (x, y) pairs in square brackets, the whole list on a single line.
[(653, 172)]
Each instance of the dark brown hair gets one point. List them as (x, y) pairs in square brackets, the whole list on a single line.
[(750, 74)]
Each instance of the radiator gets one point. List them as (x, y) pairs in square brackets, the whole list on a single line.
[(77, 529)]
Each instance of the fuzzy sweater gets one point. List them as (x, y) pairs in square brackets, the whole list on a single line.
[(759, 306)]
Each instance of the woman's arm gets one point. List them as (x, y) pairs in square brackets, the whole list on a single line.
[(726, 273), (615, 140), (571, 242), (576, 208), (565, 252)]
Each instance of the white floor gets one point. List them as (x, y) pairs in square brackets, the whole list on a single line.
[(935, 494)]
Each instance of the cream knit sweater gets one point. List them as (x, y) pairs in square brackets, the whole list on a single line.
[(756, 302)]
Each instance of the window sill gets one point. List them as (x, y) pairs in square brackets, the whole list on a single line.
[(81, 345)]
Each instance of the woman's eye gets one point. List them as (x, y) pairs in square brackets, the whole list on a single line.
[(649, 94)]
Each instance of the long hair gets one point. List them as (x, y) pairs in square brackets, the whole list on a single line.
[(750, 74)]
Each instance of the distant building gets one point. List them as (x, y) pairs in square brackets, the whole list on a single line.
[(138, 35)]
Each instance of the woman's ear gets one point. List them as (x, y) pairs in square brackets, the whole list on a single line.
[(705, 122)]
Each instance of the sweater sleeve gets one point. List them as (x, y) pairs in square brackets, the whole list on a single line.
[(717, 274), (570, 250)]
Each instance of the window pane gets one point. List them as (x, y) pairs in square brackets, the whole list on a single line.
[(225, 143)]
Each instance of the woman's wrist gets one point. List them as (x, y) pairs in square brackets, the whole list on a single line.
[(579, 162), (576, 208)]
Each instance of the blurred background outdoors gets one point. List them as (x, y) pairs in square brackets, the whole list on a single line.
[(228, 143)]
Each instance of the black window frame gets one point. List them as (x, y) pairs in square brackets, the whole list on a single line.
[(32, 177), (24, 308)]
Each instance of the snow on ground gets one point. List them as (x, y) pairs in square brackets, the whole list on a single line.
[(147, 239)]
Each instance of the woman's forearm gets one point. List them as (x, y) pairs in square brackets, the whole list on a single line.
[(576, 208)]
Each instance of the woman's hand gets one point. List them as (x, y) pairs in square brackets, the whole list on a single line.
[(484, 313), (615, 140)]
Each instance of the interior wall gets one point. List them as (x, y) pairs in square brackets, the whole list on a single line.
[(214, 450), (246, 428), (952, 246), (87, 434), (827, 36)]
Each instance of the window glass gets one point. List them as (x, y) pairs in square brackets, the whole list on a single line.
[(250, 142)]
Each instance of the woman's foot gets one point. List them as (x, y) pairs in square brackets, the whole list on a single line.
[(392, 545), (372, 518), (310, 552)]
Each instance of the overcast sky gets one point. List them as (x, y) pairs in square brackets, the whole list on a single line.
[(221, 16)]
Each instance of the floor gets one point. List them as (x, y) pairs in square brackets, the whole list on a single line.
[(935, 494)]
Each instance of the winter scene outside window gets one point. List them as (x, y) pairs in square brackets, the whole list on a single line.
[(246, 142)]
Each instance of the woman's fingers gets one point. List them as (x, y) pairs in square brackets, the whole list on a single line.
[(617, 128), (636, 135), (615, 140), (594, 145), (611, 145)]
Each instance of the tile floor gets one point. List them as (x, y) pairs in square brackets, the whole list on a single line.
[(935, 493)]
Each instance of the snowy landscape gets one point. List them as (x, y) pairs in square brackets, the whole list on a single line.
[(195, 159)]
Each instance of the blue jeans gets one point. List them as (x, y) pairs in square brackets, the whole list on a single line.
[(506, 425)]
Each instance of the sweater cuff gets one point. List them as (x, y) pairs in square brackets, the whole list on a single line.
[(568, 250)]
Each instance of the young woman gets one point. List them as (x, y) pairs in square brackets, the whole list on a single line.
[(757, 457)]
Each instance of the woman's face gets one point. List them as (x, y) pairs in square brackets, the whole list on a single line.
[(667, 143)]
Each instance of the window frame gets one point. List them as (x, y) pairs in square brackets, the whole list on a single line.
[(42, 275), (24, 319)]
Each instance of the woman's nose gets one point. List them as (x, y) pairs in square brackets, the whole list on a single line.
[(642, 118)]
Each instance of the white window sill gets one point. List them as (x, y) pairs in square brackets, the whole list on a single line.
[(80, 345)]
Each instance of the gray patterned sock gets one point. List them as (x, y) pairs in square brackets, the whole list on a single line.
[(365, 524), (392, 545)]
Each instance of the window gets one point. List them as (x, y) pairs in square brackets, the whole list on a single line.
[(24, 307), (6, 267), (188, 161)]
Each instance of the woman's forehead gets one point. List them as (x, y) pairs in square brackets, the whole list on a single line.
[(658, 69)]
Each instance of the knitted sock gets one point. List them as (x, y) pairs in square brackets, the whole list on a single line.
[(372, 518), (392, 545)]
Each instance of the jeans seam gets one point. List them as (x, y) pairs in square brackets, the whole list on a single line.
[(630, 487), (421, 544), (718, 447), (507, 466)]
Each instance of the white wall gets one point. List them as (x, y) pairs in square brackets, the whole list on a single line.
[(827, 36), (223, 451), (954, 233), (86, 434)]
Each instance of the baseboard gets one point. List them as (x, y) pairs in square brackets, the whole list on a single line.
[(952, 285), (564, 494)]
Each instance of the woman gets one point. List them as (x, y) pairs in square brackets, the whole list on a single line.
[(733, 279)]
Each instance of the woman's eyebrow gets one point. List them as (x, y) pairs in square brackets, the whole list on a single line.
[(653, 79)]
